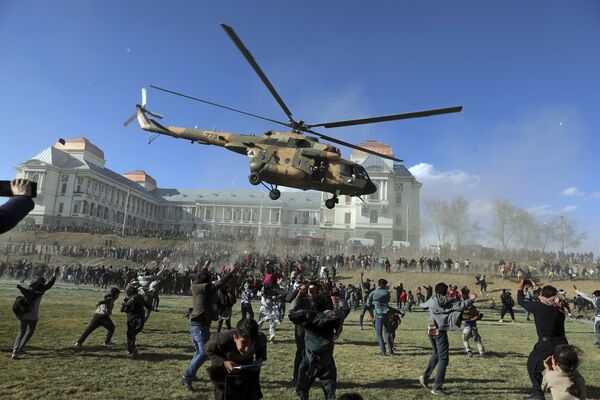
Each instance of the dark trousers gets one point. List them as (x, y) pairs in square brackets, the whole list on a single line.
[(299, 337), (227, 324), (318, 362), (134, 327), (97, 321), (535, 363), (440, 358), (240, 386), (362, 314), (506, 309), (26, 329), (247, 310), (382, 323)]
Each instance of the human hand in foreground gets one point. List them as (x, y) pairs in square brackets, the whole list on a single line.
[(230, 366), (20, 187)]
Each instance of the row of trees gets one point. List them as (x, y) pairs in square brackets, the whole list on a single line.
[(508, 226)]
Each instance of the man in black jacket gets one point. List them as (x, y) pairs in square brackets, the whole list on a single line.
[(549, 317), (236, 356), (28, 321), (15, 209), (507, 305), (318, 359), (135, 306)]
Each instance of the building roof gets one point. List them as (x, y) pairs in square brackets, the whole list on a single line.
[(56, 157), (373, 161), (140, 176), (401, 170), (375, 146), (80, 143), (107, 173)]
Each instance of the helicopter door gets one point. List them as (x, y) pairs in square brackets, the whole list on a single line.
[(319, 170)]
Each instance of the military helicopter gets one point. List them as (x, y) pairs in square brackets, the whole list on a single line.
[(294, 158)]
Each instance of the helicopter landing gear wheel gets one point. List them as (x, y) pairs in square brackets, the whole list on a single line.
[(254, 178), (274, 194), (330, 203)]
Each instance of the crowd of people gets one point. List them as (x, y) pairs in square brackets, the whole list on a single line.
[(318, 306)]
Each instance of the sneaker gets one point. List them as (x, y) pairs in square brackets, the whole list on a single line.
[(513, 321), (423, 382), (382, 355), (482, 355), (108, 344), (272, 339), (14, 356), (196, 379), (78, 345), (440, 392), (501, 321), (470, 353), (187, 383)]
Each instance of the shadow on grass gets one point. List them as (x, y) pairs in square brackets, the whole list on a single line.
[(102, 352)]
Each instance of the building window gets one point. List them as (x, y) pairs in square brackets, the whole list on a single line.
[(75, 208), (399, 187), (398, 220), (348, 218), (64, 178), (60, 207), (63, 188), (398, 198), (374, 217)]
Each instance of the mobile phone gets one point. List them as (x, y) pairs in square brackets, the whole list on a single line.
[(6, 190)]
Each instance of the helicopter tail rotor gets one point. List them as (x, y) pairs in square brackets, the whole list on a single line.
[(143, 107)]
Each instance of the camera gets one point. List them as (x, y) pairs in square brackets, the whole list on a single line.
[(6, 190)]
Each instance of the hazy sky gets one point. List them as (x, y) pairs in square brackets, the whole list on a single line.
[(527, 74)]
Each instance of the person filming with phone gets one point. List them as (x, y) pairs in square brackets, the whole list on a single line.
[(20, 203)]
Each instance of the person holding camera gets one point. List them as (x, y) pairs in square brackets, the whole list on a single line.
[(19, 205), (28, 321), (549, 317)]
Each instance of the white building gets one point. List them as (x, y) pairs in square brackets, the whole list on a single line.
[(75, 187)]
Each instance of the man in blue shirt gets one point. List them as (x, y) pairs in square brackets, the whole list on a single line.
[(380, 299)]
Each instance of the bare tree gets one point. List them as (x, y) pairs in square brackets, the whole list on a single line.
[(528, 231), (550, 232), (460, 226), (504, 224), (437, 211)]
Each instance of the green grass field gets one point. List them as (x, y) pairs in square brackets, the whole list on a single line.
[(53, 369)]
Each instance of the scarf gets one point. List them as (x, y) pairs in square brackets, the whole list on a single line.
[(554, 301)]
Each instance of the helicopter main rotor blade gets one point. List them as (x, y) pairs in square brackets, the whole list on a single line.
[(218, 105), (353, 146), (238, 42), (393, 117)]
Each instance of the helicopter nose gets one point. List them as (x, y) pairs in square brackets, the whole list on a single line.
[(370, 187)]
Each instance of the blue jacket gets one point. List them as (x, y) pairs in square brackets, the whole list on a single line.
[(444, 312)]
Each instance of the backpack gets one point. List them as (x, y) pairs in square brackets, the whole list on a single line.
[(21, 306)]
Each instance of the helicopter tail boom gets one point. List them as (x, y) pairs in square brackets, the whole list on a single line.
[(195, 135)]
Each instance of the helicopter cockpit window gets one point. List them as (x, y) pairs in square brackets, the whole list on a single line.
[(360, 172), (299, 143), (270, 141), (345, 170)]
